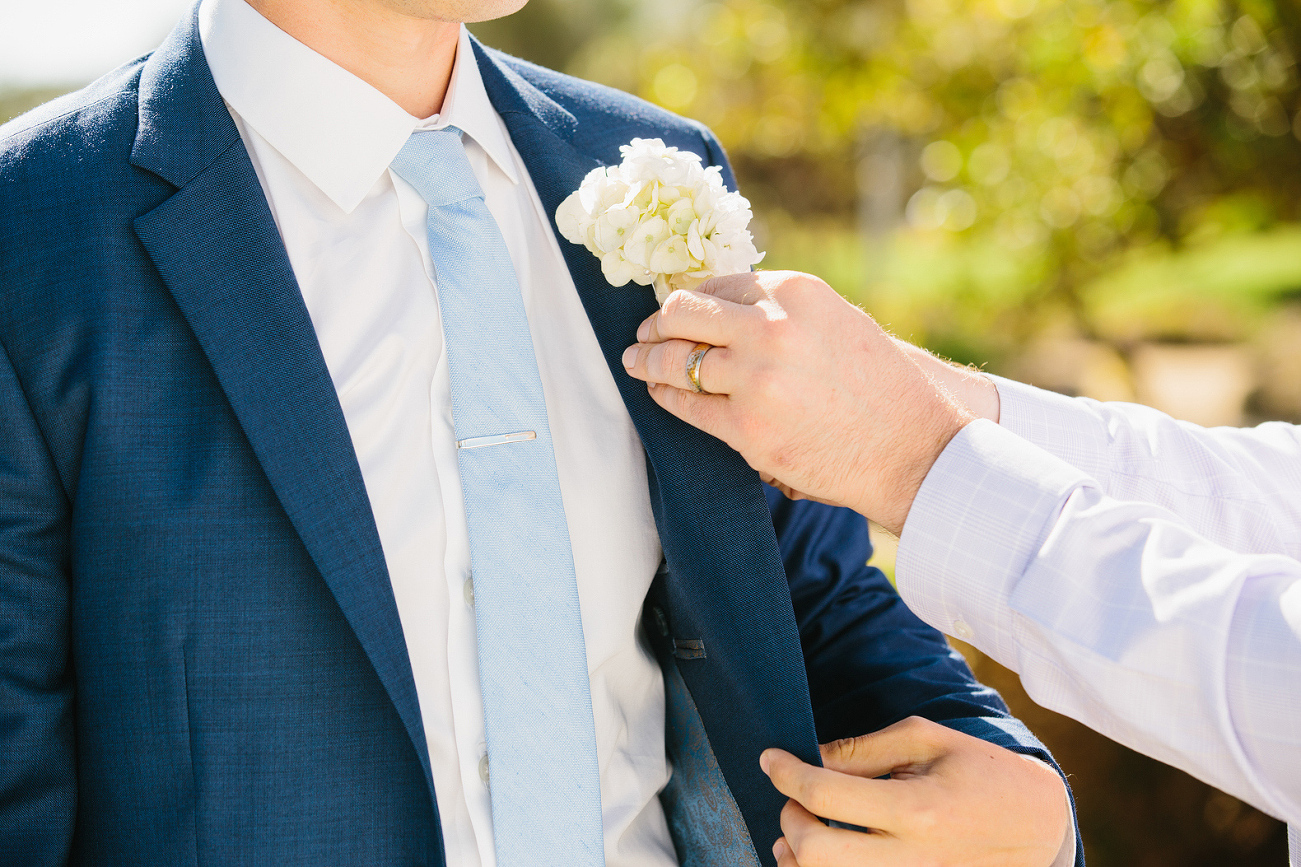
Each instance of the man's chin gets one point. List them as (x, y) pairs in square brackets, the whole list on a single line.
[(460, 11)]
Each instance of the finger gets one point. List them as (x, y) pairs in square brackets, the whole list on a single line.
[(907, 743), (813, 844), (694, 316), (835, 795), (782, 852), (745, 289), (666, 364), (762, 287), (709, 412)]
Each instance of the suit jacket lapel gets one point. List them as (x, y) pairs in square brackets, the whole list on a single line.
[(728, 586), (217, 248)]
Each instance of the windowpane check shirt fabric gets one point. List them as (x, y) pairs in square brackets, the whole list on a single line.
[(1142, 574)]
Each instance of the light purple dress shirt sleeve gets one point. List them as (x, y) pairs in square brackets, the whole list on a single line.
[(1140, 573)]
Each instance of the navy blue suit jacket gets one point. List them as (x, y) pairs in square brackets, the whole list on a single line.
[(200, 656)]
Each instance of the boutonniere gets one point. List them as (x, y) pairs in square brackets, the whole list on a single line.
[(660, 218)]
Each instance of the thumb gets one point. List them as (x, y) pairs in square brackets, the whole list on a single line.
[(910, 742)]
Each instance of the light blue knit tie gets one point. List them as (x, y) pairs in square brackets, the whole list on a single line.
[(545, 785)]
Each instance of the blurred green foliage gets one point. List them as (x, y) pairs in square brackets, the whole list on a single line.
[(1048, 160)]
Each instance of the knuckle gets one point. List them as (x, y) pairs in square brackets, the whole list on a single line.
[(653, 360), (768, 331), (771, 281), (717, 359), (783, 341), (765, 387), (677, 402), (813, 283), (927, 820), (660, 362), (812, 850), (845, 748), (816, 799), (674, 306), (915, 725)]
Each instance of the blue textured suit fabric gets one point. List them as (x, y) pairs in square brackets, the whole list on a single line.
[(537, 704), (200, 656)]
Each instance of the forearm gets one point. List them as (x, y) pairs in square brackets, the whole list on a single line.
[(968, 386), (1116, 613)]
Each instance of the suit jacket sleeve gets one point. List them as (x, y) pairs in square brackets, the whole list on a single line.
[(37, 773)]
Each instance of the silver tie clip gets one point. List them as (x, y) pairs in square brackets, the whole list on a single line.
[(498, 440)]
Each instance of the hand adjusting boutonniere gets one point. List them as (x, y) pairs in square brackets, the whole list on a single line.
[(660, 218)]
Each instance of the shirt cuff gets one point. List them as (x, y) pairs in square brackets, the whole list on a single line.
[(1071, 428), (980, 516)]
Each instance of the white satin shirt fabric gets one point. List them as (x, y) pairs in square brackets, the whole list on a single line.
[(1142, 574), (321, 141)]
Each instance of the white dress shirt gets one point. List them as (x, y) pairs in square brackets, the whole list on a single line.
[(1142, 574), (321, 141)]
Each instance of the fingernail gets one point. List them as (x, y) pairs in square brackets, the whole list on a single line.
[(779, 848), (643, 331), (763, 760), (629, 357)]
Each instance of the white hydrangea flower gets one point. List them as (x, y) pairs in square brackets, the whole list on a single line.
[(660, 218)]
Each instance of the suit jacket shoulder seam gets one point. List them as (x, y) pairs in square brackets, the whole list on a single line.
[(129, 93)]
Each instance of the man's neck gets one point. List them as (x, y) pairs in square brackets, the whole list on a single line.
[(408, 59)]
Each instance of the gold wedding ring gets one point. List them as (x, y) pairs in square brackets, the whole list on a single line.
[(693, 367)]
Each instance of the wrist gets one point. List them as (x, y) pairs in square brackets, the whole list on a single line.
[(970, 387), (911, 470), (979, 393)]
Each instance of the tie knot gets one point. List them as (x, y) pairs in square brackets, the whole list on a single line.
[(434, 162)]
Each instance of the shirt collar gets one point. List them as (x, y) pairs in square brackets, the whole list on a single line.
[(333, 127)]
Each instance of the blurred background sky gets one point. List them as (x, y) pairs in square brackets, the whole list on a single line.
[(73, 41), (1102, 197)]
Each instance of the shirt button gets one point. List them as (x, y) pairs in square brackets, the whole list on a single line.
[(467, 590), (483, 770), (962, 630)]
